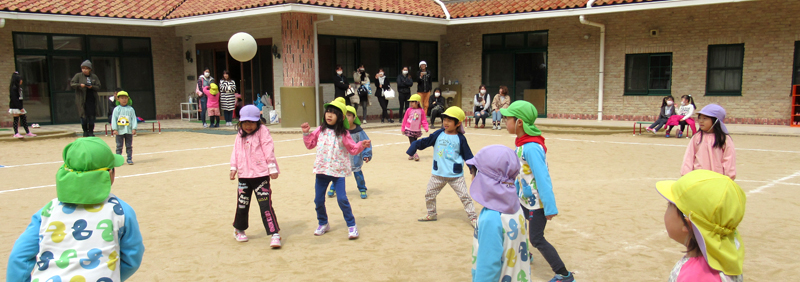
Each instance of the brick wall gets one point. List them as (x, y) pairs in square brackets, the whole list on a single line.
[(166, 51), (298, 49), (767, 28)]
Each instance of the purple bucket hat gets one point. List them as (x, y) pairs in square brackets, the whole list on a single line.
[(493, 186), (250, 113), (715, 111)]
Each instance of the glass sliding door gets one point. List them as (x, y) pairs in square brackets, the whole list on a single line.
[(64, 107), (498, 70), (36, 93), (530, 82), (518, 61), (137, 78)]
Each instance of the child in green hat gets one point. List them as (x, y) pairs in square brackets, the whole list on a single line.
[(357, 160), (533, 183), (86, 233)]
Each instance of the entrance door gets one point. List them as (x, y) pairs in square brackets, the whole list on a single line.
[(530, 83), (519, 62), (252, 78)]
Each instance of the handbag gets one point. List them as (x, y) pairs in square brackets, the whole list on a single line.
[(388, 94), (349, 92)]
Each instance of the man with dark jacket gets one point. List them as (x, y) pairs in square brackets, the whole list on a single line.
[(341, 85), (424, 85), (87, 101), (404, 83)]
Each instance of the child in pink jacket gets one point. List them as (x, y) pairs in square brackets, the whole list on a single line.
[(212, 92), (713, 148), (414, 122), (253, 158)]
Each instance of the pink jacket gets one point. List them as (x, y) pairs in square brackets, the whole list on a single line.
[(705, 156), (333, 152), (213, 100), (254, 156), (414, 118)]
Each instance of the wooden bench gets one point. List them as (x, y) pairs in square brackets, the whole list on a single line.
[(153, 122)]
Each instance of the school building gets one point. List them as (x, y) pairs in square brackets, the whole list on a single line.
[(607, 59)]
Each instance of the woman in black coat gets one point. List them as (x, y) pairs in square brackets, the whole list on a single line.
[(340, 84), (437, 106), (382, 83), (404, 83)]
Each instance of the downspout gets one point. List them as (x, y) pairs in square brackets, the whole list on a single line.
[(602, 59), (316, 67), (446, 12)]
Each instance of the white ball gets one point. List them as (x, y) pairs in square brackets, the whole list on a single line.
[(242, 47)]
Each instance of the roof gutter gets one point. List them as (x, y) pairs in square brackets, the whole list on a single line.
[(593, 11), (602, 59), (77, 19), (444, 9)]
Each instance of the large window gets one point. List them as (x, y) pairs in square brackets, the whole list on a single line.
[(648, 74), (518, 61), (387, 54), (48, 62), (725, 64)]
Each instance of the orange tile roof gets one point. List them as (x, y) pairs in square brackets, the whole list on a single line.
[(204, 7), (138, 9), (477, 8), (425, 8)]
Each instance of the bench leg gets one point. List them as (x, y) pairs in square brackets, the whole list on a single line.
[(634, 129)]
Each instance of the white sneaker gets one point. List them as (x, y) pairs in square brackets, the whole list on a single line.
[(322, 229), (239, 235), (276, 241), (364, 121), (352, 232)]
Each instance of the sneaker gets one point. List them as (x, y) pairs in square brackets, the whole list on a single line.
[(416, 157), (239, 235), (427, 218), (322, 229), (30, 135), (331, 193), (130, 162), (363, 194), (364, 121), (352, 232), (18, 136), (276, 241), (680, 134), (651, 130), (205, 125), (666, 135), (474, 222), (35, 125), (561, 278), (410, 158)]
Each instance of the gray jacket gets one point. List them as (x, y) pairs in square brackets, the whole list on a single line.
[(80, 92)]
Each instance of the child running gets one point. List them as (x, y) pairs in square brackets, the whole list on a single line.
[(534, 187), (713, 148), (667, 110), (212, 104), (683, 117), (334, 147), (450, 150), (357, 160), (500, 245), (414, 121), (125, 123), (86, 233), (703, 213), (253, 159)]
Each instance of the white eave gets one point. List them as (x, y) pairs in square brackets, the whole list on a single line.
[(305, 8)]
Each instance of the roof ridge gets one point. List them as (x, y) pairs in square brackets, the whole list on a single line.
[(172, 10)]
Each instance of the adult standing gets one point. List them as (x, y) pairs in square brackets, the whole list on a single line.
[(483, 105), (15, 106), (227, 98), (340, 85), (202, 82), (87, 101), (361, 78), (382, 84), (404, 83), (424, 84)]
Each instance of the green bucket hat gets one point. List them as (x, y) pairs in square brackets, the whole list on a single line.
[(351, 109), (526, 112), (83, 179), (339, 103)]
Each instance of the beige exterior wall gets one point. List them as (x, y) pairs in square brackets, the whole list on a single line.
[(165, 49), (768, 30)]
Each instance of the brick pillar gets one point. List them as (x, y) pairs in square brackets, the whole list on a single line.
[(297, 33)]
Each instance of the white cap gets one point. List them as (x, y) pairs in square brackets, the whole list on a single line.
[(422, 63)]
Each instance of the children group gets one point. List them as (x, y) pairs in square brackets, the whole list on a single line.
[(514, 187)]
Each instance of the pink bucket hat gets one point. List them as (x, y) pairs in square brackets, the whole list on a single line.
[(493, 186)]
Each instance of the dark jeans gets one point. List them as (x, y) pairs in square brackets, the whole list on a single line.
[(87, 124), (437, 112), (658, 124), (359, 176), (228, 115), (403, 99), (128, 139), (364, 104), (341, 196), (536, 224), (479, 116), (203, 109), (412, 139), (384, 103), (264, 197)]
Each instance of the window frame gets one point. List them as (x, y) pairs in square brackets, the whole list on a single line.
[(796, 64), (504, 46), (648, 92), (709, 69), (357, 55)]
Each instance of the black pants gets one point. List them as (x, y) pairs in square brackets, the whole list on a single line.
[(536, 223), (437, 112), (21, 120), (658, 124), (228, 116), (264, 197), (346, 100), (384, 103), (87, 124), (364, 103), (128, 140), (412, 139), (403, 98)]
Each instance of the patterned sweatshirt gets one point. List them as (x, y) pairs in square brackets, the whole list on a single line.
[(333, 152)]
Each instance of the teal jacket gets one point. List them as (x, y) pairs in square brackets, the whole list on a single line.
[(124, 119)]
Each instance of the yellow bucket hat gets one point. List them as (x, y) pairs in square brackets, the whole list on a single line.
[(213, 89), (341, 106), (715, 206), (350, 109), (456, 113), (415, 98), (340, 100)]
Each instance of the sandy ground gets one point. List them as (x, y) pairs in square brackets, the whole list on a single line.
[(610, 223)]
